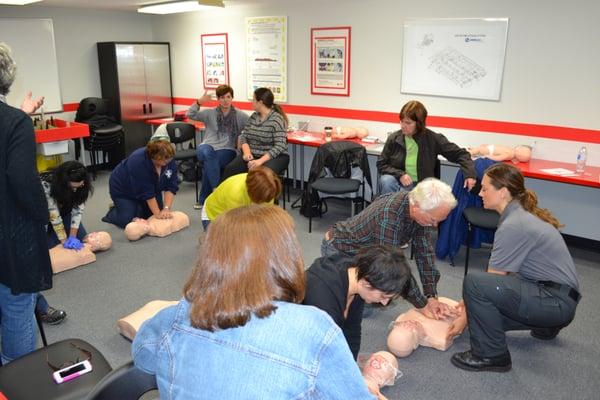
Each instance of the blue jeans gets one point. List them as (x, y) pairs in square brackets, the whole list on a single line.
[(213, 162), (53, 239), (126, 210), (17, 328), (41, 304), (389, 184)]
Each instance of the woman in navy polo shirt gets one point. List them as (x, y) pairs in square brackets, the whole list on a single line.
[(138, 182)]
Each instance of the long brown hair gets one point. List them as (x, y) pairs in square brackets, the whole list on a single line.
[(249, 258), (266, 96), (508, 176)]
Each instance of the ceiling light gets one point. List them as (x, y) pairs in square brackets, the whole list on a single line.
[(173, 7), (18, 2)]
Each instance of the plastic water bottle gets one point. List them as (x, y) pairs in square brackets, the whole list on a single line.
[(581, 159)]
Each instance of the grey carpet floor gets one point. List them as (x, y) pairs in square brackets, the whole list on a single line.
[(130, 274)]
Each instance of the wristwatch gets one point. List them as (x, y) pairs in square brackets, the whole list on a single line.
[(166, 208)]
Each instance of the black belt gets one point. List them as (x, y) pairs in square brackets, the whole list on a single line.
[(574, 294)]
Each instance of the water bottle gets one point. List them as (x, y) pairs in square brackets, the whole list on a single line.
[(581, 159)]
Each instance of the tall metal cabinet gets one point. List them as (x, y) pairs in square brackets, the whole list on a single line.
[(136, 78)]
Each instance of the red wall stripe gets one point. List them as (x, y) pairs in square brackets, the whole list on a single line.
[(469, 124)]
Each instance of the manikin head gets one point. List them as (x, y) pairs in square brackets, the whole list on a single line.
[(381, 368), (522, 153), (137, 228), (405, 337), (99, 241)]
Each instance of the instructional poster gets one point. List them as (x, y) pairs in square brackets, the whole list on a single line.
[(215, 60), (454, 57), (330, 61), (266, 52)]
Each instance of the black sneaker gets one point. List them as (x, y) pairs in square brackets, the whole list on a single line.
[(545, 333), (53, 316)]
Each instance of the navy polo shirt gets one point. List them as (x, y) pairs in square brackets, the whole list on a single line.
[(135, 178)]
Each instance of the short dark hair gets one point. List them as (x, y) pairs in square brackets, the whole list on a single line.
[(384, 267), (415, 111), (222, 90)]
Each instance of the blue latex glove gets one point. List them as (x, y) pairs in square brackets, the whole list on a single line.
[(73, 243)]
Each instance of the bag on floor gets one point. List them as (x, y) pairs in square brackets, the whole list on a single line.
[(310, 203)]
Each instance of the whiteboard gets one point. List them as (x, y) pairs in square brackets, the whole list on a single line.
[(454, 57), (32, 44)]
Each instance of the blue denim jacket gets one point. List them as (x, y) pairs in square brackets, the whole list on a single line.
[(296, 353)]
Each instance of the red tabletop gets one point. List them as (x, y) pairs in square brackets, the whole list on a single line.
[(315, 139), (533, 169), (160, 121), (63, 130)]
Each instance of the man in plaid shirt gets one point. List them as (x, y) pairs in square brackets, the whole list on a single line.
[(397, 218)]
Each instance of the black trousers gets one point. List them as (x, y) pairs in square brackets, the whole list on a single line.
[(499, 303), (239, 166)]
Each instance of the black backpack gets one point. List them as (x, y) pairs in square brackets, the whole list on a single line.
[(310, 203)]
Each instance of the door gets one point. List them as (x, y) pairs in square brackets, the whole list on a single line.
[(158, 80), (132, 81)]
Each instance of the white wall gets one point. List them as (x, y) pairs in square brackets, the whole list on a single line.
[(76, 32), (550, 74)]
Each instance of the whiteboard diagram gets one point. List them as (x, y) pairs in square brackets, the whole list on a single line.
[(454, 57)]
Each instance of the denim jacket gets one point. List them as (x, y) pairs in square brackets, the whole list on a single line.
[(296, 353)]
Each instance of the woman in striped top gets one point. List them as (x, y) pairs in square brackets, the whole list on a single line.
[(264, 139)]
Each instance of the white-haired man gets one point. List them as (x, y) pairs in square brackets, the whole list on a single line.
[(397, 218)]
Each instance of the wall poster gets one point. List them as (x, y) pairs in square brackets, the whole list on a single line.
[(266, 55), (454, 57), (215, 60), (330, 61)]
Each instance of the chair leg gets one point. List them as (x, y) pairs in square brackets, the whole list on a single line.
[(40, 325), (469, 232)]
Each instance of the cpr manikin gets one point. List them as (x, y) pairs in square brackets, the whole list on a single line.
[(412, 329), (140, 227), (129, 325), (499, 152), (379, 369), (348, 132), (64, 259)]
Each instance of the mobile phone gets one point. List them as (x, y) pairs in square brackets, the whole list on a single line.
[(72, 372)]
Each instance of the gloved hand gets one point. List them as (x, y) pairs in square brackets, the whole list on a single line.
[(73, 243)]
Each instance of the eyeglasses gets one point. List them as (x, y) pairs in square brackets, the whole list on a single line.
[(86, 353)]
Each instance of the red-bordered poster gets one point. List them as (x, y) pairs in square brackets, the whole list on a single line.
[(330, 61), (215, 60)]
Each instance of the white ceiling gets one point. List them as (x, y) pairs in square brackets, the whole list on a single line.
[(120, 5)]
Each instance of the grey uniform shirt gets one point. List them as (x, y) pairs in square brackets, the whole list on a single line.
[(211, 130), (535, 249)]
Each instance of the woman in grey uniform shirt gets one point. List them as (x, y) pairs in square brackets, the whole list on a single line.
[(531, 282)]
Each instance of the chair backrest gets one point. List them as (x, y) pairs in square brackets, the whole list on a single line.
[(180, 132), (339, 157), (90, 107), (124, 383)]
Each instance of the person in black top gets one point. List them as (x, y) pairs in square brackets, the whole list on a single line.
[(341, 285)]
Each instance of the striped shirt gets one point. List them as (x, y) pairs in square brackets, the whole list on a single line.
[(387, 221), (268, 136)]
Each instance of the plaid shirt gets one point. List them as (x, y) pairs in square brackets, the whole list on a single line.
[(387, 221)]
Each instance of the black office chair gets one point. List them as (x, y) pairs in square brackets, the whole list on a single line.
[(180, 133), (338, 157), (30, 376), (124, 383), (106, 135), (478, 218)]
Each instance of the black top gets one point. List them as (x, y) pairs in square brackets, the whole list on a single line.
[(25, 261), (327, 288)]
